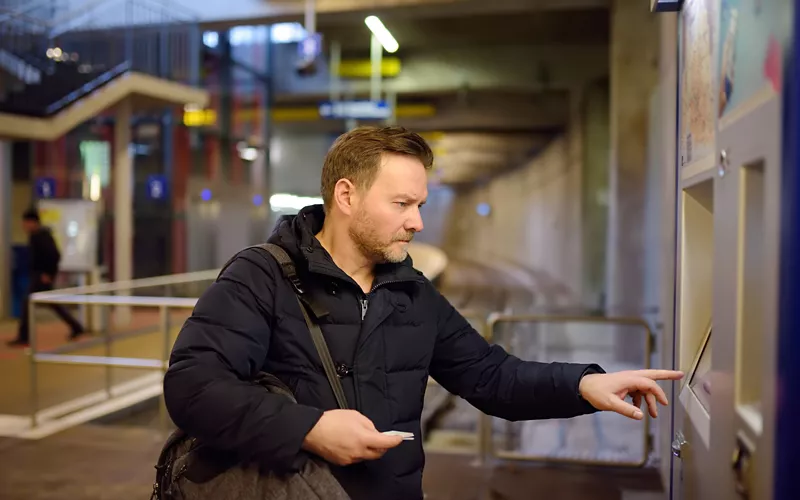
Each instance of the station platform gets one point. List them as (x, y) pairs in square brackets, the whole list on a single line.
[(109, 452), (96, 462)]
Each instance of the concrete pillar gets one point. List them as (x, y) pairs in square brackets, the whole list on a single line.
[(634, 76), (5, 229), (123, 205)]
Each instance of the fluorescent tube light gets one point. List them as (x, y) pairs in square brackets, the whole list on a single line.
[(382, 34)]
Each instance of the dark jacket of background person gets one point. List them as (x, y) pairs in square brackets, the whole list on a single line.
[(44, 254)]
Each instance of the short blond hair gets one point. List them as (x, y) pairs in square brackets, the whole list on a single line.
[(356, 155)]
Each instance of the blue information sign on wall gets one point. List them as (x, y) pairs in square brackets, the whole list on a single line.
[(157, 187), (45, 187)]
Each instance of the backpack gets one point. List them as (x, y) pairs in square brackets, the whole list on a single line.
[(187, 470)]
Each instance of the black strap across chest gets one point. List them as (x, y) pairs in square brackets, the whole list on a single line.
[(290, 273)]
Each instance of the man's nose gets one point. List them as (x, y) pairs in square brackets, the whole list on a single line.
[(415, 222)]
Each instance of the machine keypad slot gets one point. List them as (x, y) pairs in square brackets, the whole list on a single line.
[(751, 282)]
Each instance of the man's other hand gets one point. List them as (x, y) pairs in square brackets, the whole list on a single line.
[(607, 391), (344, 437)]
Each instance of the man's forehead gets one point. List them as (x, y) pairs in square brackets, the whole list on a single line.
[(404, 186)]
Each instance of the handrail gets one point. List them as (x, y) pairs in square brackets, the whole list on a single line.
[(100, 295), (117, 286), (486, 444), (86, 8), (89, 87), (154, 38)]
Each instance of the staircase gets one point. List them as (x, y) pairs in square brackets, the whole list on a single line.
[(51, 63)]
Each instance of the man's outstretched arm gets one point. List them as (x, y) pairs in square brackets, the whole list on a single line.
[(504, 386)]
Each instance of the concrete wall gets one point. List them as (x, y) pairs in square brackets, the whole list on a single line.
[(535, 220), (595, 191)]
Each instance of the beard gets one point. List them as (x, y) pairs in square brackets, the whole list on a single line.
[(365, 233)]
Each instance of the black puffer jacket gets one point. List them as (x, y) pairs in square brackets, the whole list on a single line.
[(386, 342)]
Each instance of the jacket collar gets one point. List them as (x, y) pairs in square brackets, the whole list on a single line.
[(296, 234)]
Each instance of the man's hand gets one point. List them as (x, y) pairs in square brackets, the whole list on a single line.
[(607, 391), (46, 279), (344, 437)]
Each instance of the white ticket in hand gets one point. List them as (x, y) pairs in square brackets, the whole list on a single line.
[(407, 436)]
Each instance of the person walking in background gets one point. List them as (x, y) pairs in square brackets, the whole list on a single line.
[(44, 262)]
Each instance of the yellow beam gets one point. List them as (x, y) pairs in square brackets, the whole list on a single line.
[(362, 68), (208, 117)]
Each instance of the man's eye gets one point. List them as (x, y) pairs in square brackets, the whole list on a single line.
[(402, 204)]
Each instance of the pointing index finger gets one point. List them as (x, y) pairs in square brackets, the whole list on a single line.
[(661, 374)]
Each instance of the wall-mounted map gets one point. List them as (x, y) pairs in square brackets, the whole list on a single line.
[(697, 80), (753, 37)]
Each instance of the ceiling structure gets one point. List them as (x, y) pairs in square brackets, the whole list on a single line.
[(467, 157), (233, 12), (478, 134), (553, 27)]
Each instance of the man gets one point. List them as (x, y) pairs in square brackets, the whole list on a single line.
[(387, 327), (44, 261)]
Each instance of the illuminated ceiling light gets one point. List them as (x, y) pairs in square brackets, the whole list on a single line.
[(285, 202), (382, 34)]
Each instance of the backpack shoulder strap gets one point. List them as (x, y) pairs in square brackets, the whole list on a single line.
[(290, 273)]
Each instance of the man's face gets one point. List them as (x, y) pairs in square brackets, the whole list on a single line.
[(386, 216), (29, 226)]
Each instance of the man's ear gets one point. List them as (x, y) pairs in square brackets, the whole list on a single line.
[(345, 196)]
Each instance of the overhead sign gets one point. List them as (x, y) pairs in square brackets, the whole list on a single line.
[(157, 187), (199, 117), (356, 110), (45, 187)]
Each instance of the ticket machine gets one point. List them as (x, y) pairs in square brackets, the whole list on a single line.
[(728, 165)]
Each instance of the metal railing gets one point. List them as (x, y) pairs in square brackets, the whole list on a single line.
[(119, 295), (565, 342), (101, 36), (539, 337)]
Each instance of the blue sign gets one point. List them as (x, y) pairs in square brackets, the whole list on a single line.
[(157, 187), (45, 187), (356, 110)]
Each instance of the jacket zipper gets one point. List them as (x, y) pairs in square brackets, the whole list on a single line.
[(364, 302)]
